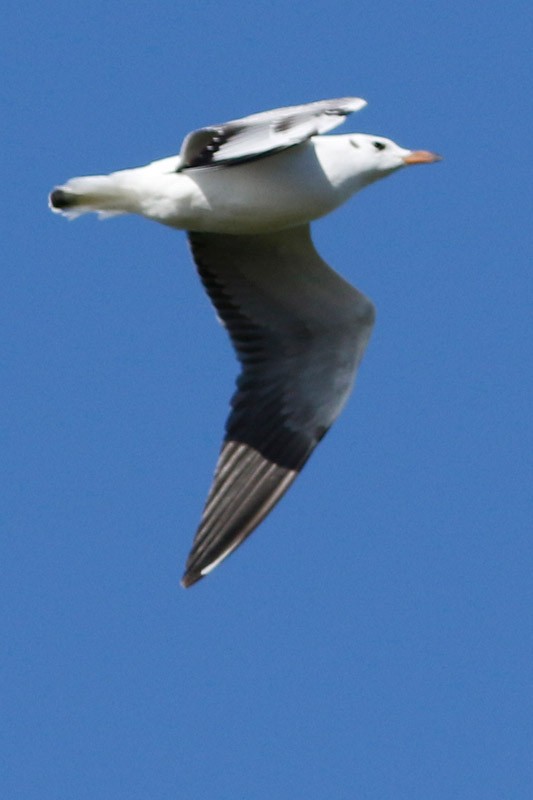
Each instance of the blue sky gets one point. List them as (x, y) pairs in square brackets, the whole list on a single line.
[(373, 638)]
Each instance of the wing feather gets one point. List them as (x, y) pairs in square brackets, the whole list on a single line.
[(260, 134), (300, 331)]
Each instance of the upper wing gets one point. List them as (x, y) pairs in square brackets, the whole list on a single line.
[(300, 331), (259, 134)]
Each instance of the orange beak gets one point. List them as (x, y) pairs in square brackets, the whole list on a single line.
[(421, 157)]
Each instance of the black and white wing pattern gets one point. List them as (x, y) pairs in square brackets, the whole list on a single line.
[(259, 134), (300, 331)]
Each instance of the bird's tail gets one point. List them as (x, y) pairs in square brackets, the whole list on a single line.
[(103, 194)]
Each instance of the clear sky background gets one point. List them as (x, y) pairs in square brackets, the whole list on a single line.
[(373, 639)]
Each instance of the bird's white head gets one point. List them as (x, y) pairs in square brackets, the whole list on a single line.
[(377, 157)]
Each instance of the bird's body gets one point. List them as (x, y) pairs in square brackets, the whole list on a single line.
[(288, 188), (246, 192), (295, 188)]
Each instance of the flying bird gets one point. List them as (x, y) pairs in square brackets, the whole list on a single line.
[(245, 191)]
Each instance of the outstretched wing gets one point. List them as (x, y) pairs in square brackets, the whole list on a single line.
[(259, 134), (300, 331)]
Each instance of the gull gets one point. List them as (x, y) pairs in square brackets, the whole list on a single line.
[(245, 191)]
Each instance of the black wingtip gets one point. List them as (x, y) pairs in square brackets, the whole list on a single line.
[(190, 578)]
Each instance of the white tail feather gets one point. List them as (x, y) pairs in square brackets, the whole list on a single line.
[(107, 195)]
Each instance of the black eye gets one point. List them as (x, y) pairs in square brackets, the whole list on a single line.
[(379, 145)]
